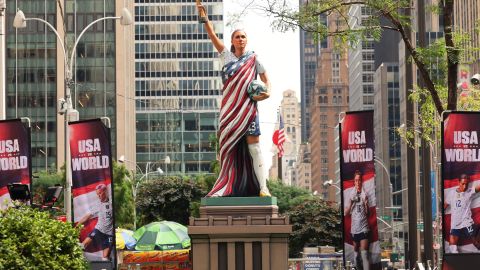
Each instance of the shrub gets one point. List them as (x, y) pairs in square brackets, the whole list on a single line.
[(31, 239)]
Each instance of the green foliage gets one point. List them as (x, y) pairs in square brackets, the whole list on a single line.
[(30, 239), (123, 196), (214, 164), (42, 181), (287, 196), (205, 183), (315, 222), (437, 63), (167, 198)]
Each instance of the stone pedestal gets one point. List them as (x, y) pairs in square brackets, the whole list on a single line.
[(239, 233)]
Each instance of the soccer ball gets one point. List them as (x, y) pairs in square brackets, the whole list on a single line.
[(255, 88)]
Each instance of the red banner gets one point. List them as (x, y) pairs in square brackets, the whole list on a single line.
[(91, 165), (357, 169), (461, 182), (15, 157)]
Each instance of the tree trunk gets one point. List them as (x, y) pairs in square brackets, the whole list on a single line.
[(452, 55)]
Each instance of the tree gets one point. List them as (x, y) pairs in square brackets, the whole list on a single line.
[(123, 196), (30, 239), (315, 222), (167, 198), (396, 12), (287, 196)]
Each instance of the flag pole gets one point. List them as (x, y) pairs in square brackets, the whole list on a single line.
[(279, 168), (279, 157)]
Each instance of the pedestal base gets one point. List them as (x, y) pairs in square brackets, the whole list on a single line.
[(239, 233)]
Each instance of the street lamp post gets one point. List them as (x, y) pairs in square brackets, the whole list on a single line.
[(65, 105), (135, 183), (3, 91), (376, 159)]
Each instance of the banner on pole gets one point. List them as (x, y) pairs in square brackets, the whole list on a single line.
[(357, 169), (91, 165), (461, 182), (15, 157)]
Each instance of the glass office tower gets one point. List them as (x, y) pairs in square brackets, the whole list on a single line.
[(35, 72), (177, 86)]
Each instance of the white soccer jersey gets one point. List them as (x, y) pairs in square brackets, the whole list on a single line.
[(103, 211), (460, 203), (359, 213)]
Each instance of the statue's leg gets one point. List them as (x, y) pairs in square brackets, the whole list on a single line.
[(257, 162)]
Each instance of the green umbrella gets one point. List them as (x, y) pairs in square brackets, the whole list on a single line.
[(163, 235)]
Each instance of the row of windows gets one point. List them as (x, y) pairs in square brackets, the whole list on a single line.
[(179, 125), (169, 28), (174, 1), (368, 45), (174, 47), (368, 67), (84, 19), (176, 66), (368, 56), (392, 68), (32, 53), (176, 93), (30, 75), (164, 37), (177, 104), (367, 100), (368, 89), (179, 18), (183, 55), (367, 78), (40, 152), (155, 85), (31, 101), (151, 74), (335, 100), (154, 10)]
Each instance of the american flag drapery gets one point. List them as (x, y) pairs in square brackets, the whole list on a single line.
[(236, 177)]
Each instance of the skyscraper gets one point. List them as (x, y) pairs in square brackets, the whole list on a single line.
[(309, 52), (290, 111), (328, 100), (361, 64), (177, 86), (35, 68)]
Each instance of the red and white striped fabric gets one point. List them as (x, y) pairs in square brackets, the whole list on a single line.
[(237, 111), (280, 138)]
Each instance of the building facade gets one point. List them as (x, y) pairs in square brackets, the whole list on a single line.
[(35, 73), (466, 14), (361, 60), (177, 86), (303, 167), (309, 52), (329, 99), (290, 111), (388, 146)]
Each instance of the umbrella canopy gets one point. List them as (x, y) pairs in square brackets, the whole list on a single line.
[(124, 239), (164, 235)]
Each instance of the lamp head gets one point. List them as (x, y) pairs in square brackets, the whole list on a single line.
[(475, 80), (328, 183), (126, 18), (121, 159), (19, 21)]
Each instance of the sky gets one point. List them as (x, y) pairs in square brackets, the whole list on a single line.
[(280, 54)]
